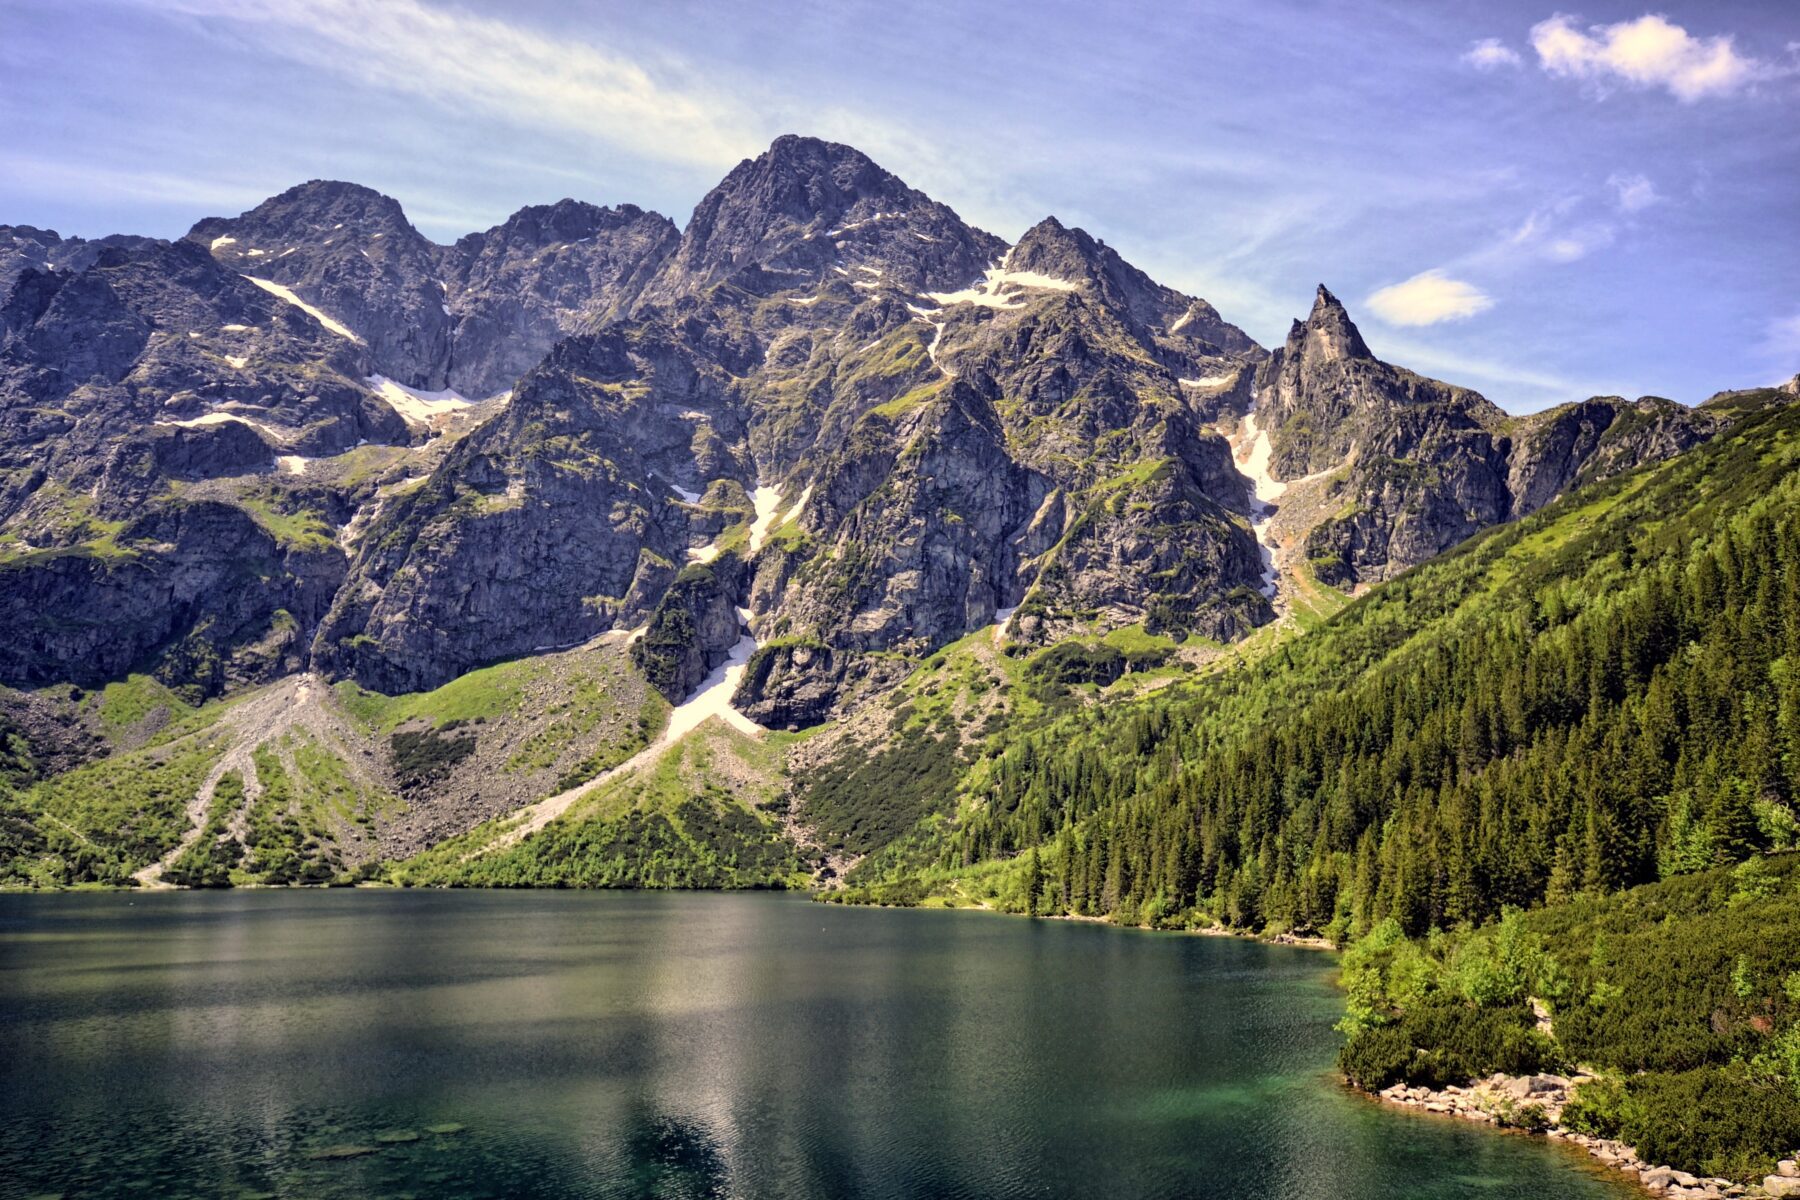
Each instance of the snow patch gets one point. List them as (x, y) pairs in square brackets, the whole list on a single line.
[(1251, 449), (293, 464), (998, 288), (767, 501), (237, 360), (216, 242), (235, 328), (713, 697), (1183, 319), (1208, 380), (282, 293), (690, 497), (220, 418), (880, 216), (414, 404), (804, 302), (1003, 621)]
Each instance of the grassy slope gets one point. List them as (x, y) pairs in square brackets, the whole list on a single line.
[(704, 813)]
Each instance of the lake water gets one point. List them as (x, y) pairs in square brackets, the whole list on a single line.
[(308, 1044)]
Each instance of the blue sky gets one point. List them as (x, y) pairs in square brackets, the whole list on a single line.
[(1540, 204)]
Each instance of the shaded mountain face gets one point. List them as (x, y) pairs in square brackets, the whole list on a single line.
[(545, 273), (351, 252), (829, 415), (1416, 465), (871, 428)]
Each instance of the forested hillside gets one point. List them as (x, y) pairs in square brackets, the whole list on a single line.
[(1597, 696)]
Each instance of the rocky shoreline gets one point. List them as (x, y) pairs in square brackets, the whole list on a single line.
[(1534, 1104)]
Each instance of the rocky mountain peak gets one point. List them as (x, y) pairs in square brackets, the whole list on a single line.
[(565, 221), (316, 207), (1062, 252), (349, 251), (1792, 386), (1328, 333), (805, 206), (1052, 248)]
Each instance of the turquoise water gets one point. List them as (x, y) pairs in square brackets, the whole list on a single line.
[(303, 1044)]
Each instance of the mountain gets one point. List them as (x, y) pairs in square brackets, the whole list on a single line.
[(1411, 466), (829, 461), (1587, 699)]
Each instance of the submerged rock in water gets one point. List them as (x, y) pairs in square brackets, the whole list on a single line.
[(333, 1153)]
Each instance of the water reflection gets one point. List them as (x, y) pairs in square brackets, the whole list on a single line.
[(469, 1045)]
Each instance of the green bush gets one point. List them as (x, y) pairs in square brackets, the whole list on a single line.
[(1376, 1058), (1711, 1121)]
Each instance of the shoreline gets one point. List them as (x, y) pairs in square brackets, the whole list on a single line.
[(1297, 941), (1499, 1100)]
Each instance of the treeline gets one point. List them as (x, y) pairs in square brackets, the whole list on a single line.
[(1602, 695)]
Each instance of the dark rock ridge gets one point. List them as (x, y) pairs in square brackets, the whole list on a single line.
[(543, 274), (1420, 465), (828, 401), (791, 215)]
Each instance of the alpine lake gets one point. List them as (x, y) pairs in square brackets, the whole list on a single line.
[(462, 1044)]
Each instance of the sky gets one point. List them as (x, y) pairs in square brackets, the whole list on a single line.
[(1538, 203)]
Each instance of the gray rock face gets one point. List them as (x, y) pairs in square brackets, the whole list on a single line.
[(954, 428), (535, 530), (153, 337), (351, 252), (1567, 446), (793, 685), (804, 208), (201, 594), (693, 629), (26, 246), (546, 273), (1052, 249), (1423, 465)]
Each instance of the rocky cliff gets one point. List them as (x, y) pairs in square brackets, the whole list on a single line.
[(828, 415)]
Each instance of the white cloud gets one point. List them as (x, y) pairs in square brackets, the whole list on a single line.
[(1427, 298), (1649, 52), (462, 60), (1633, 193), (1490, 54)]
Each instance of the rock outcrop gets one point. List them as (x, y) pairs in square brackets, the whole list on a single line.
[(1417, 465)]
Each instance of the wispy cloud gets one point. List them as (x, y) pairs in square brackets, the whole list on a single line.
[(1428, 298), (1632, 192), (1648, 52), (1780, 345), (36, 174), (1490, 54), (1518, 388), (483, 64), (1554, 232)]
